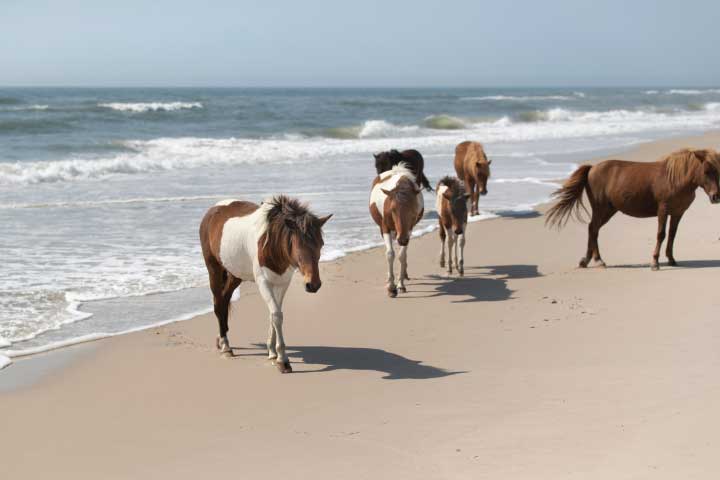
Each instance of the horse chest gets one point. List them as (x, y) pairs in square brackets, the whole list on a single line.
[(238, 248)]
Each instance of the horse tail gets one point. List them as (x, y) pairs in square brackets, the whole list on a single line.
[(425, 182), (569, 198)]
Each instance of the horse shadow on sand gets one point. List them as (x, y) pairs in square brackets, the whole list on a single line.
[(480, 284), (394, 366), (681, 264)]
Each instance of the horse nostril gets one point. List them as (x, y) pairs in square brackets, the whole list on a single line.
[(310, 288)]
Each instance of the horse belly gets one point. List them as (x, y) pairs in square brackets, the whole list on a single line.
[(636, 204)]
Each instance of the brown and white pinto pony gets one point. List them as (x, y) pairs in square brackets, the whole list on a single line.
[(662, 189), (265, 243), (473, 168), (396, 206), (452, 206)]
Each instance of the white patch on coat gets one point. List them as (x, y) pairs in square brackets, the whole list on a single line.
[(227, 201), (439, 198), (388, 181), (239, 243)]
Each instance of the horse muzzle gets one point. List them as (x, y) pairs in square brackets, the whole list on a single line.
[(715, 198), (312, 287)]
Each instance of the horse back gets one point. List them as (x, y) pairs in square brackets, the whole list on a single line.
[(634, 188), (211, 227)]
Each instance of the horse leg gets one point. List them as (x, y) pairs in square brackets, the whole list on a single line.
[(674, 222), (662, 221), (442, 245), (474, 194), (270, 295), (450, 246), (390, 255), (461, 258), (403, 268), (223, 285), (604, 218)]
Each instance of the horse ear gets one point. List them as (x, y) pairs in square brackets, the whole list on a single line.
[(701, 154), (323, 220), (389, 193), (489, 161), (375, 155)]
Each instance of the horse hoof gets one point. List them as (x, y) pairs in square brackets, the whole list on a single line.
[(583, 263), (392, 292), (402, 290), (461, 273), (442, 264), (672, 263), (654, 267), (284, 367)]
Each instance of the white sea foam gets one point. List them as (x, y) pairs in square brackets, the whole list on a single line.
[(4, 342), (20, 108), (164, 154), (4, 361), (97, 336), (521, 98), (141, 107), (680, 91)]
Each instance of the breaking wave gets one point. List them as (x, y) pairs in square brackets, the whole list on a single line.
[(162, 154), (142, 107)]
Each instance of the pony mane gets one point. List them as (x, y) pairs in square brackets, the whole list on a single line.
[(454, 185), (682, 164), (287, 216)]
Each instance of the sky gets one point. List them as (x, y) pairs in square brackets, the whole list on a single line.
[(368, 43)]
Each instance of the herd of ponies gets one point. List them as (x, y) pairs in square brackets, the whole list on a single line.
[(267, 243)]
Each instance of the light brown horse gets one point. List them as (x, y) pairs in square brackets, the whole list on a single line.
[(452, 206), (242, 241), (396, 206), (656, 189), (473, 168)]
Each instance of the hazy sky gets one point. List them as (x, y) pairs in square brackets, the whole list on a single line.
[(359, 43)]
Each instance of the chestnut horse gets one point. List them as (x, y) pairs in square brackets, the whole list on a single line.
[(656, 189), (473, 167), (265, 243), (385, 161), (452, 207), (396, 206)]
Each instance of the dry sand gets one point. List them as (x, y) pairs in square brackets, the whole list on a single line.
[(527, 368)]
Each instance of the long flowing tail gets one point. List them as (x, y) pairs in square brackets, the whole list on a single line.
[(569, 198)]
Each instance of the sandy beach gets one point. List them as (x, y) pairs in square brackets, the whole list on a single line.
[(526, 368)]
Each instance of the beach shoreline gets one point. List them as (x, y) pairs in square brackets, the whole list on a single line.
[(489, 376)]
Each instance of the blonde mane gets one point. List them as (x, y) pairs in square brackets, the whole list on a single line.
[(682, 165)]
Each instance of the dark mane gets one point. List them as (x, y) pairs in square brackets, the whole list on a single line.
[(455, 186), (287, 217), (405, 191)]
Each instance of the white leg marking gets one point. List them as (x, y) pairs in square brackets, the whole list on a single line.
[(403, 268), (442, 249), (461, 262), (450, 246), (390, 254)]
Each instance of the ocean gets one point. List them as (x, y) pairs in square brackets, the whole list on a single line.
[(102, 190)]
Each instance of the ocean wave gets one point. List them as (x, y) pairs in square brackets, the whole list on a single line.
[(523, 98), (142, 107), (444, 122), (10, 101), (163, 154), (24, 108), (684, 91), (33, 125)]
